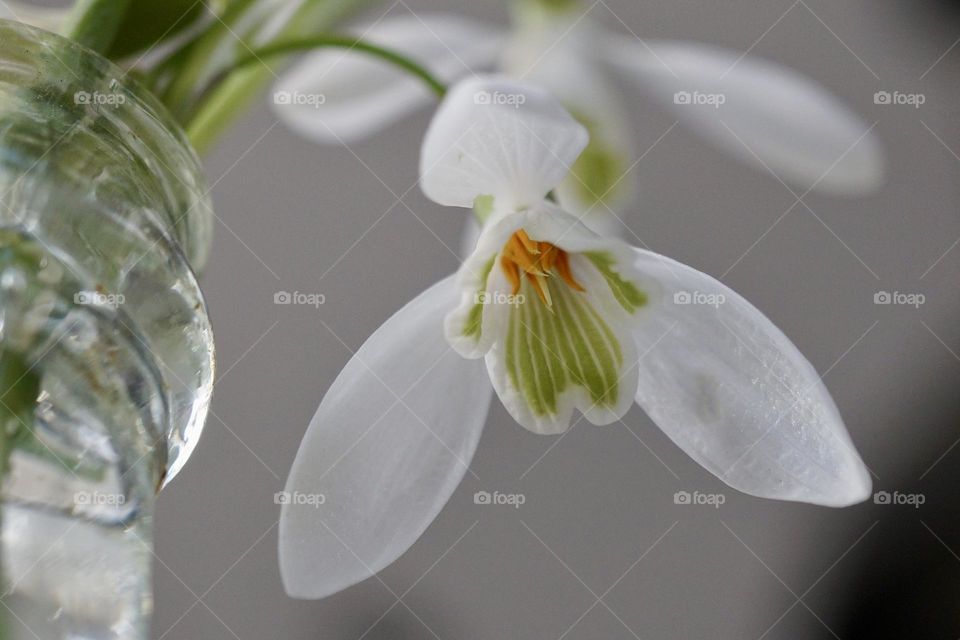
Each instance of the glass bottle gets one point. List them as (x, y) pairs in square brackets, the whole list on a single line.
[(104, 218)]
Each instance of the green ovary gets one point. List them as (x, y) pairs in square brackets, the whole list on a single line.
[(558, 5), (595, 175), (549, 350)]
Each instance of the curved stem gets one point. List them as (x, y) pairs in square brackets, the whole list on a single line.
[(222, 104), (342, 42)]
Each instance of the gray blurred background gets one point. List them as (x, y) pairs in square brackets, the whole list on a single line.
[(599, 521)]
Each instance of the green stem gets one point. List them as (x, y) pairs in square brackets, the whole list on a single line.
[(181, 93), (19, 387), (223, 103), (94, 23), (204, 128), (342, 42)]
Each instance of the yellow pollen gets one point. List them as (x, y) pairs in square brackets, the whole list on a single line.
[(538, 261)]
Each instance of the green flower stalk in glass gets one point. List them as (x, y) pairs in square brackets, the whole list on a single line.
[(106, 350)]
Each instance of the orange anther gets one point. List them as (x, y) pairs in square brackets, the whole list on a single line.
[(538, 261)]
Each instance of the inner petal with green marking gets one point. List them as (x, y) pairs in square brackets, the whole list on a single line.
[(558, 339), (550, 348)]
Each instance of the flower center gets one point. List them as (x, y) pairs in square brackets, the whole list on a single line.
[(538, 261)]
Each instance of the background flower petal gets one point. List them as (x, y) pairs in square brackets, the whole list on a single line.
[(765, 114), (563, 57), (347, 95)]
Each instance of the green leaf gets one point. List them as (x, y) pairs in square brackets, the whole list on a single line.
[(95, 23), (148, 22)]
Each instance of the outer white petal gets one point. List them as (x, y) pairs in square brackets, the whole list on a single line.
[(733, 392), (385, 467), (498, 137), (350, 95), (783, 119)]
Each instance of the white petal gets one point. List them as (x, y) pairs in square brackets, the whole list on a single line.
[(783, 120), (497, 137), (733, 392), (561, 55), (357, 95), (43, 17), (385, 467), (474, 324)]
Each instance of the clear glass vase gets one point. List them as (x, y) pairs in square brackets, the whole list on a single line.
[(104, 216)]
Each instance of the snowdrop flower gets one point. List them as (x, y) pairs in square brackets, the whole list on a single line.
[(760, 112), (551, 317)]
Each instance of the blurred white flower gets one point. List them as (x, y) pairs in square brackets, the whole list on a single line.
[(760, 112), (564, 319), (43, 17)]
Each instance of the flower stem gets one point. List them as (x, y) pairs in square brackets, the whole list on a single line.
[(342, 42), (221, 103), (179, 96), (19, 387)]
